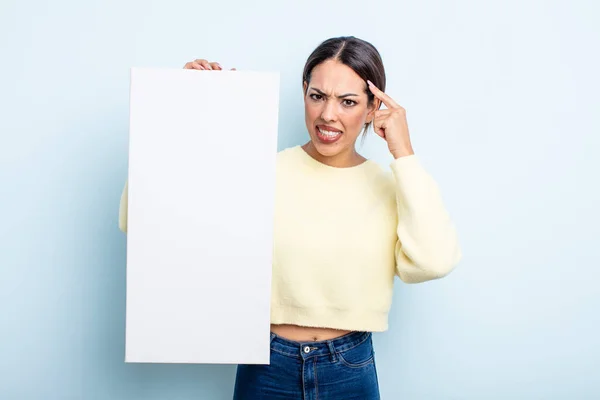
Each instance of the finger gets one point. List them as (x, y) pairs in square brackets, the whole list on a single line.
[(205, 64), (216, 66), (383, 113), (379, 131), (195, 65), (190, 65), (390, 113), (387, 100), (380, 123), (198, 63), (379, 127)]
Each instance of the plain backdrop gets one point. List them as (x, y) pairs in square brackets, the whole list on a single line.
[(503, 104)]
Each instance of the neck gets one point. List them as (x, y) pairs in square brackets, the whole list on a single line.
[(345, 159)]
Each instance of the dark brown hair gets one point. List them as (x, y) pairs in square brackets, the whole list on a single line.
[(358, 54)]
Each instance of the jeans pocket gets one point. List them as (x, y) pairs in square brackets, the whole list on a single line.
[(359, 356)]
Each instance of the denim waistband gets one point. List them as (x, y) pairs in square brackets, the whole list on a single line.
[(320, 348)]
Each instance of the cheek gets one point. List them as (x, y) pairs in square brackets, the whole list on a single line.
[(311, 111), (355, 119)]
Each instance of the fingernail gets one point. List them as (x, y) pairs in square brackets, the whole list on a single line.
[(369, 82)]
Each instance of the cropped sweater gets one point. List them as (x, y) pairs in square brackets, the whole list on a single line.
[(341, 235)]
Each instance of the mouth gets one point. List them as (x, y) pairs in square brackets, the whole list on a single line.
[(327, 134)]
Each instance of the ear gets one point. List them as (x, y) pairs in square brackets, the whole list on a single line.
[(372, 109), (304, 87)]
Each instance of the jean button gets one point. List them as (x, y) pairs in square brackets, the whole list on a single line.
[(306, 349)]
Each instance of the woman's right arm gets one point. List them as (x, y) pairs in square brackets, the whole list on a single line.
[(199, 64)]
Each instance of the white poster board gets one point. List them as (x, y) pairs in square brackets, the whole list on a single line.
[(202, 152)]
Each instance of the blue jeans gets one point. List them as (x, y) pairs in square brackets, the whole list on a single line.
[(339, 369)]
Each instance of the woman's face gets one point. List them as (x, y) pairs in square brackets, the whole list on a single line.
[(336, 109)]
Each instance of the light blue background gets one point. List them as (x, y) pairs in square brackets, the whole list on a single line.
[(503, 107)]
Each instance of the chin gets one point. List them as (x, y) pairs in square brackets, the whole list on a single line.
[(328, 150)]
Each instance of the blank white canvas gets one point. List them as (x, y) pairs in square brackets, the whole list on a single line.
[(201, 196)]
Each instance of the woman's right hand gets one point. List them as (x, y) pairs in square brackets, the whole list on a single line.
[(204, 65)]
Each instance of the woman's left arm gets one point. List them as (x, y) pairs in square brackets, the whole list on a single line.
[(427, 246)]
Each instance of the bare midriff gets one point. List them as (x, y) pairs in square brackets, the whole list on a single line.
[(306, 334)]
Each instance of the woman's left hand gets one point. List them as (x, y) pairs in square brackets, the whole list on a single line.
[(391, 124)]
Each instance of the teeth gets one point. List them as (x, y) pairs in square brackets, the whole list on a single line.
[(328, 133)]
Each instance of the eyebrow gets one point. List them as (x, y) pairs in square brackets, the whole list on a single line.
[(339, 97)]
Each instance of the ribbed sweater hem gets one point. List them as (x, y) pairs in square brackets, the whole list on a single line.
[(325, 317)]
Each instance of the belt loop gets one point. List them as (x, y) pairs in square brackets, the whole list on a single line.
[(331, 351), (272, 337)]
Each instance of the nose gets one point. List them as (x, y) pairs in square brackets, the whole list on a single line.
[(328, 114)]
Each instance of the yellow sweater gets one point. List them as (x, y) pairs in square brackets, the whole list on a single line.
[(342, 234)]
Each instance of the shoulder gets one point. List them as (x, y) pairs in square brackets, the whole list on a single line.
[(287, 153), (380, 179), (289, 157)]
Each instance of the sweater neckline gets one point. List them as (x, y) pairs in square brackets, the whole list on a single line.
[(318, 164)]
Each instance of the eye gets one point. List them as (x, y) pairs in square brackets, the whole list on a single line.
[(349, 103), (316, 97)]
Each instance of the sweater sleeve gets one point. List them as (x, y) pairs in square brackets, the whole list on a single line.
[(123, 208), (427, 246)]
